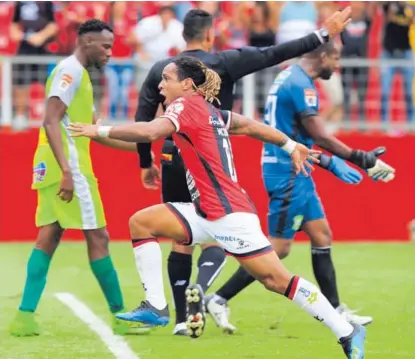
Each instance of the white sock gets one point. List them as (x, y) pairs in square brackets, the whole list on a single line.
[(309, 297), (148, 260)]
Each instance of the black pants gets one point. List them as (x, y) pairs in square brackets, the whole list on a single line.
[(173, 175)]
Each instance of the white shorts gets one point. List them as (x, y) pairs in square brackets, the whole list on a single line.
[(239, 234)]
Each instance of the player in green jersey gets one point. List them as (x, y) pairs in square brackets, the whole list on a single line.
[(68, 195)]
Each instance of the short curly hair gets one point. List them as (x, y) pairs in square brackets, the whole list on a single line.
[(93, 25)]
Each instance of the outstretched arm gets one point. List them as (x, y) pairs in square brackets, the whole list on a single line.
[(110, 142), (143, 132), (300, 155), (376, 168)]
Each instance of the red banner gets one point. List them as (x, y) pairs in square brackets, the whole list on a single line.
[(369, 211)]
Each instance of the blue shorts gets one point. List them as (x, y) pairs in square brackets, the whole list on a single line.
[(292, 202)]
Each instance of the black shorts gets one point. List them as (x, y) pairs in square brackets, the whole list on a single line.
[(173, 174)]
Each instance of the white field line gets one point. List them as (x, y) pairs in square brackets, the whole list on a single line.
[(115, 343)]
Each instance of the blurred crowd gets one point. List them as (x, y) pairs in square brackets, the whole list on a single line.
[(146, 32)]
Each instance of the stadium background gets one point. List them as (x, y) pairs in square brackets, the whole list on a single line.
[(369, 211)]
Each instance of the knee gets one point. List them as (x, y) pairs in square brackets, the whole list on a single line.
[(178, 248), (281, 246), (139, 225), (322, 239), (276, 284), (98, 239)]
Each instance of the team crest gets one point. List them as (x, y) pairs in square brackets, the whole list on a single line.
[(39, 172), (310, 97)]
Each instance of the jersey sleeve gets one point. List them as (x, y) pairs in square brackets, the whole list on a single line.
[(65, 83), (305, 100), (177, 113)]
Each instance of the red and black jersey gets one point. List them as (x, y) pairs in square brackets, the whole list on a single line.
[(203, 140)]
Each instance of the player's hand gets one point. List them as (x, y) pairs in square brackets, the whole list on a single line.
[(375, 168), (303, 158), (84, 130), (337, 22), (343, 171), (150, 177), (66, 188), (381, 171)]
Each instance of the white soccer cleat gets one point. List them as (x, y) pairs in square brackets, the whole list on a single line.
[(353, 318), (220, 312), (180, 329)]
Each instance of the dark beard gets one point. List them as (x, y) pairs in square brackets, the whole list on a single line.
[(325, 74)]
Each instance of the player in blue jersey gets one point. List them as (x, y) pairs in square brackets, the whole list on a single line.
[(292, 107)]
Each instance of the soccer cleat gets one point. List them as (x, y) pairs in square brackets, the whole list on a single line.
[(121, 327), (354, 344), (180, 329), (24, 325), (196, 311), (352, 318), (219, 310), (147, 315)]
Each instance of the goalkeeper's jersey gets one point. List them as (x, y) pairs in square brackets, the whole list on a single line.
[(70, 82)]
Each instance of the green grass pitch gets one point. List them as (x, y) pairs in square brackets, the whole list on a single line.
[(377, 278)]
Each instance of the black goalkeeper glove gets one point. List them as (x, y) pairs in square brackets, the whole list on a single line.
[(366, 160)]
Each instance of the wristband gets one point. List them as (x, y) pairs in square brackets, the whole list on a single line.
[(104, 131), (289, 146)]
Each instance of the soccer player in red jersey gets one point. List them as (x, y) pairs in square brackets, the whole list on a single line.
[(221, 210)]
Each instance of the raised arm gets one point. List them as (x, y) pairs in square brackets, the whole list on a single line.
[(247, 60)]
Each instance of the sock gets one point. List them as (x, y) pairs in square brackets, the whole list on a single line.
[(239, 281), (148, 260), (309, 298), (37, 270), (107, 277), (210, 263), (325, 274), (179, 266)]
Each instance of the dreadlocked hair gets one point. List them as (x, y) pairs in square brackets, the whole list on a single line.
[(206, 82)]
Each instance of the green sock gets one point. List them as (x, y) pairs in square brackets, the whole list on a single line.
[(106, 275), (37, 270)]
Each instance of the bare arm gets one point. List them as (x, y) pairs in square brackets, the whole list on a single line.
[(110, 142), (241, 125), (315, 127), (142, 131), (55, 110)]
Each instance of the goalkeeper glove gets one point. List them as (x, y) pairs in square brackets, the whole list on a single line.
[(375, 168), (340, 169)]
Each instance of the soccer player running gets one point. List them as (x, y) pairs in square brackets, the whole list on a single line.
[(231, 65), (292, 107), (63, 177), (221, 209)]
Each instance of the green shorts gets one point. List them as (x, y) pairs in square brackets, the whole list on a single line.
[(84, 212)]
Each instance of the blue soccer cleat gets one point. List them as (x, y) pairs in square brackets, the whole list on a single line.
[(354, 344), (147, 315)]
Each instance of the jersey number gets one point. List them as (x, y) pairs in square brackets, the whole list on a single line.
[(271, 111), (228, 152)]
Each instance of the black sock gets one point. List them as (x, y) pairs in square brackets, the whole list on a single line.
[(210, 264), (325, 274), (238, 282), (180, 269)]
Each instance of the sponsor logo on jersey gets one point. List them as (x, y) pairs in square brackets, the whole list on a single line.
[(66, 80), (310, 97), (39, 172)]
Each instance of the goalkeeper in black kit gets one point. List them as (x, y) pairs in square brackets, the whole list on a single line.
[(231, 65)]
